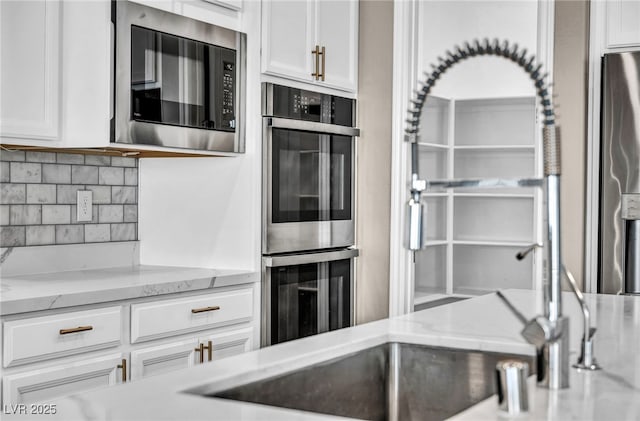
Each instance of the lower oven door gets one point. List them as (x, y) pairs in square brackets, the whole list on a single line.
[(308, 191), (306, 294)]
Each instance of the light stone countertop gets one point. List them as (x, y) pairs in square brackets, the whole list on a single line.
[(481, 323), (45, 291)]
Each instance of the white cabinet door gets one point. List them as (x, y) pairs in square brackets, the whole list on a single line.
[(292, 29), (337, 31), (288, 38), (623, 23), (163, 358), (182, 354), (233, 342), (29, 45), (55, 79), (48, 383)]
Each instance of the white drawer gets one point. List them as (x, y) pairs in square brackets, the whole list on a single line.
[(172, 317), (58, 335)]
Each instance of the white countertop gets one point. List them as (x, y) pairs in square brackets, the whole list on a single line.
[(482, 323), (47, 291)]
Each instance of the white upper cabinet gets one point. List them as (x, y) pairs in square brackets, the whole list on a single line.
[(56, 78), (337, 31), (287, 38), (623, 23), (29, 45), (292, 30)]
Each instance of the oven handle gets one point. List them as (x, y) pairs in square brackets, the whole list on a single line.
[(311, 126), (302, 259)]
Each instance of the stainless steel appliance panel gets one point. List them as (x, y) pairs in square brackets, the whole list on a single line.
[(619, 171), (208, 63)]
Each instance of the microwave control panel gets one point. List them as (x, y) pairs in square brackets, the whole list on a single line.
[(227, 110)]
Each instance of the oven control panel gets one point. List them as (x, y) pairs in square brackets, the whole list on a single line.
[(305, 105)]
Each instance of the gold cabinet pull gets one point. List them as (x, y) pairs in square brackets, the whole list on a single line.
[(209, 348), (202, 347), (316, 52), (75, 330), (123, 366), (204, 309), (323, 53)]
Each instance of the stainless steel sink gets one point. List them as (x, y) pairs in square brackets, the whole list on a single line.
[(392, 381)]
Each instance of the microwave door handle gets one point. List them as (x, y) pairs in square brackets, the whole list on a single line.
[(311, 126), (302, 259)]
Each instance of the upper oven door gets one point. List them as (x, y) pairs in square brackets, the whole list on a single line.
[(177, 81), (309, 185)]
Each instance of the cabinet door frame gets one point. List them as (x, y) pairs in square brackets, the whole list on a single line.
[(184, 349), (48, 127), (278, 68), (15, 385), (349, 79), (227, 339)]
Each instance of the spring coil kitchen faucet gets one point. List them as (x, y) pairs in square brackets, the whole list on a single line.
[(553, 355)]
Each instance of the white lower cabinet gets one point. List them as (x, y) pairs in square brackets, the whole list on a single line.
[(60, 352), (232, 342), (171, 356), (163, 358), (49, 383)]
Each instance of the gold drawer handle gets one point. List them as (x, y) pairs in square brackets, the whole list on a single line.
[(75, 329), (123, 366), (203, 309)]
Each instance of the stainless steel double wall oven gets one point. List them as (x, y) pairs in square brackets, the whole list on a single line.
[(308, 208)]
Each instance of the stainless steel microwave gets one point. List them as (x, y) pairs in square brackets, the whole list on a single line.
[(179, 82)]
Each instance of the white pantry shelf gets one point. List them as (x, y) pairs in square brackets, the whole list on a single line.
[(496, 195), (485, 147), (515, 244), (433, 145), (474, 234)]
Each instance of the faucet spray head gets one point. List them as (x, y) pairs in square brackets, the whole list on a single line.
[(414, 215)]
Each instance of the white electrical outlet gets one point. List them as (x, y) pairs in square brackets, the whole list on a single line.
[(85, 199)]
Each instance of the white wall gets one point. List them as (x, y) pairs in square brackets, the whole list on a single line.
[(443, 24), (206, 211)]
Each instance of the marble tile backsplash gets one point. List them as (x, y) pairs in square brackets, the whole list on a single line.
[(38, 196)]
